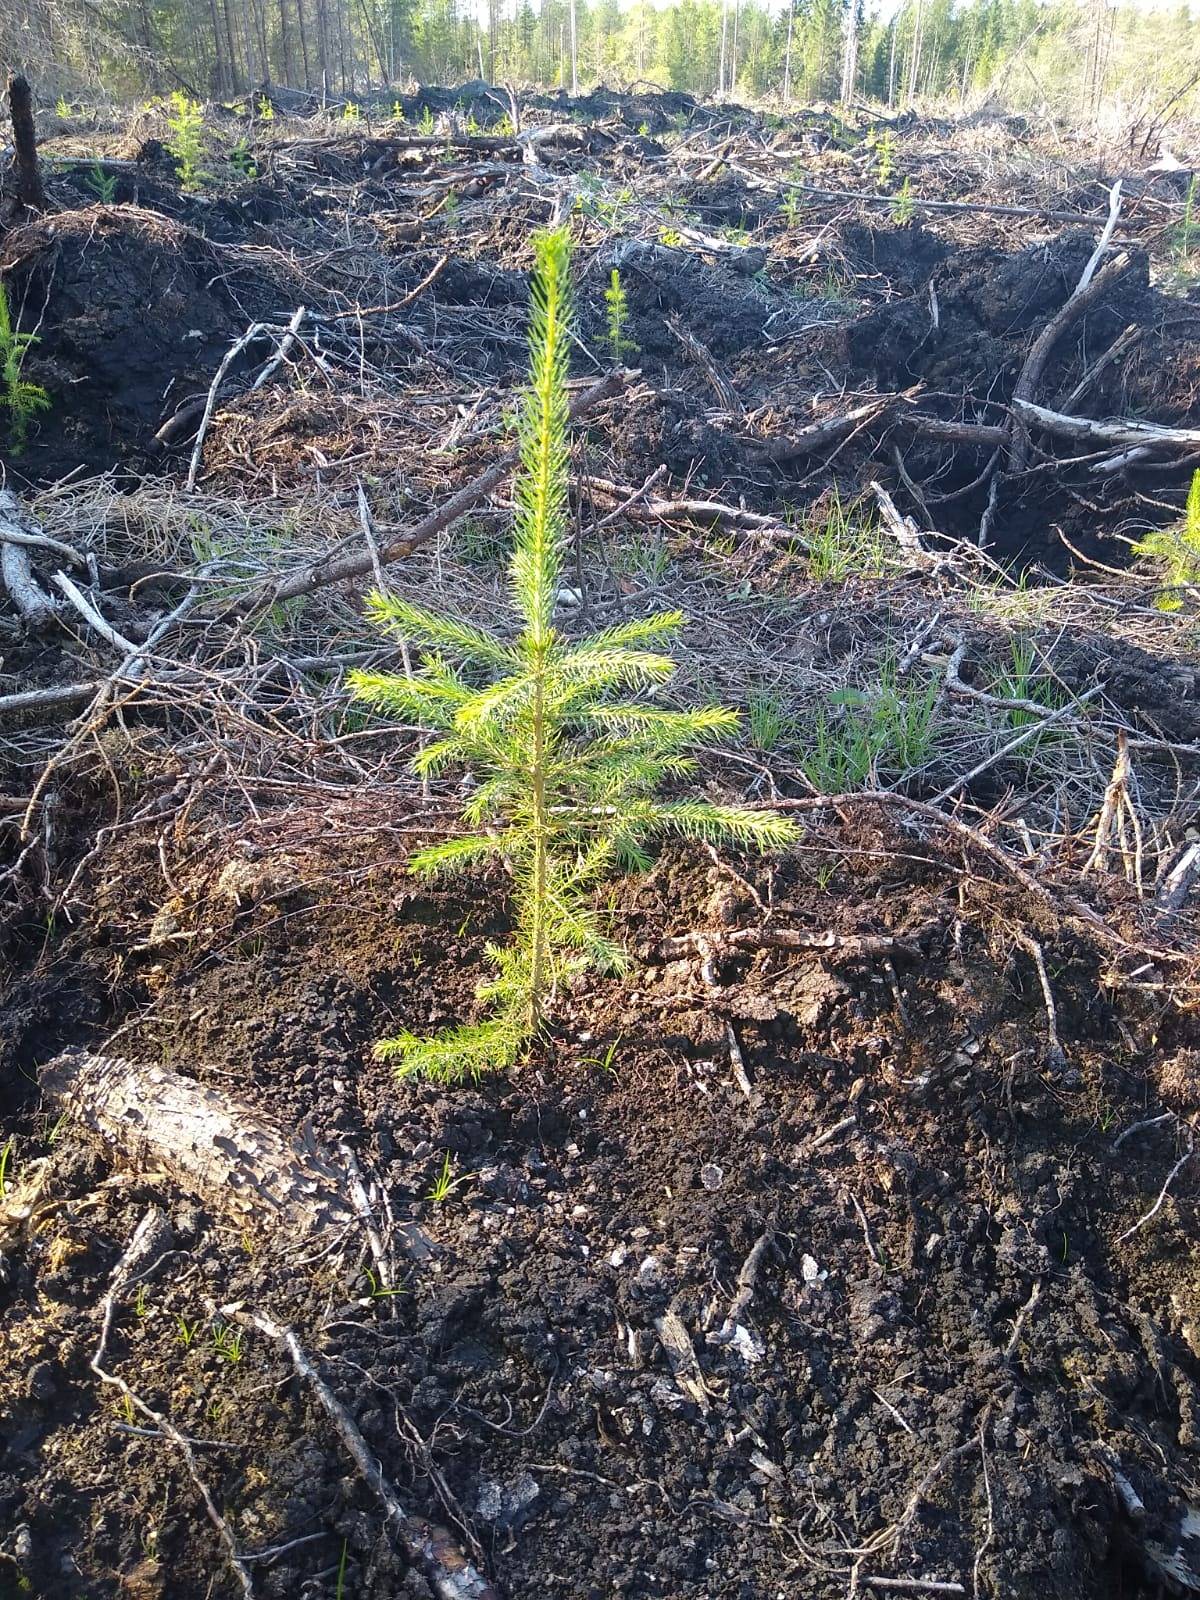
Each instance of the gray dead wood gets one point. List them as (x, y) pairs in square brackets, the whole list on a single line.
[(1107, 431), (17, 536), (209, 1144)]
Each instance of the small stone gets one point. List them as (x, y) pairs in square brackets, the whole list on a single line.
[(712, 1176), (40, 1383), (648, 1271)]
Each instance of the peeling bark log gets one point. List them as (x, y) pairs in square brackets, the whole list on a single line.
[(30, 194), (33, 604), (213, 1147)]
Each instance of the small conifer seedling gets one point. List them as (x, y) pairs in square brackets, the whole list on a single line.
[(617, 305), (22, 399), (1176, 551), (903, 206), (566, 751), (185, 142)]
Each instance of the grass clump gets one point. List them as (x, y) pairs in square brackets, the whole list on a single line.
[(841, 544), (1176, 551), (566, 749), (863, 737), (22, 399), (769, 722)]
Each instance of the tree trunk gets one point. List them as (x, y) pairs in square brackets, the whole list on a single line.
[(787, 59), (30, 194), (850, 53), (213, 1147)]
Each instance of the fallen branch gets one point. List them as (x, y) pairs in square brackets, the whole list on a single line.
[(254, 331), (659, 508), (402, 304), (453, 1577), (1113, 431), (818, 434), (1162, 1193), (919, 203), (92, 617), (747, 1279), (1087, 292), (1059, 903), (328, 570), (143, 1250)]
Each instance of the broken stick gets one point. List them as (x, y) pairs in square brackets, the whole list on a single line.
[(429, 1546)]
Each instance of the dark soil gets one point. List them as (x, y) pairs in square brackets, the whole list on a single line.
[(621, 1177)]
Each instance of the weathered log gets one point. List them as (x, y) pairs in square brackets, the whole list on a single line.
[(212, 1146), (1127, 431), (17, 537), (30, 194)]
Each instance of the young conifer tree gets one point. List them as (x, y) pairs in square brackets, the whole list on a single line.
[(567, 754)]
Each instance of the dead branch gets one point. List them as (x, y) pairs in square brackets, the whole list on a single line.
[(403, 303), (827, 942), (1087, 292), (92, 617), (453, 1577), (818, 434), (660, 509), (1113, 431), (1162, 1193), (254, 331), (746, 1284), (1177, 883), (143, 1249)]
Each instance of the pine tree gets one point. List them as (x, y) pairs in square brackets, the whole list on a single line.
[(567, 753)]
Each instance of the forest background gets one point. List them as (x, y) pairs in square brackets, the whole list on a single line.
[(1081, 59)]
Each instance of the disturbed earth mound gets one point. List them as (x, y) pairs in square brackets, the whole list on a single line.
[(133, 312)]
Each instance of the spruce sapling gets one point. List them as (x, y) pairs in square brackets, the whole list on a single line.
[(185, 123), (1177, 550), (22, 398), (567, 754), (616, 303)]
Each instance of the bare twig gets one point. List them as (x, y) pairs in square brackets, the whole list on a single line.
[(1162, 1193), (453, 1577), (140, 1249)]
